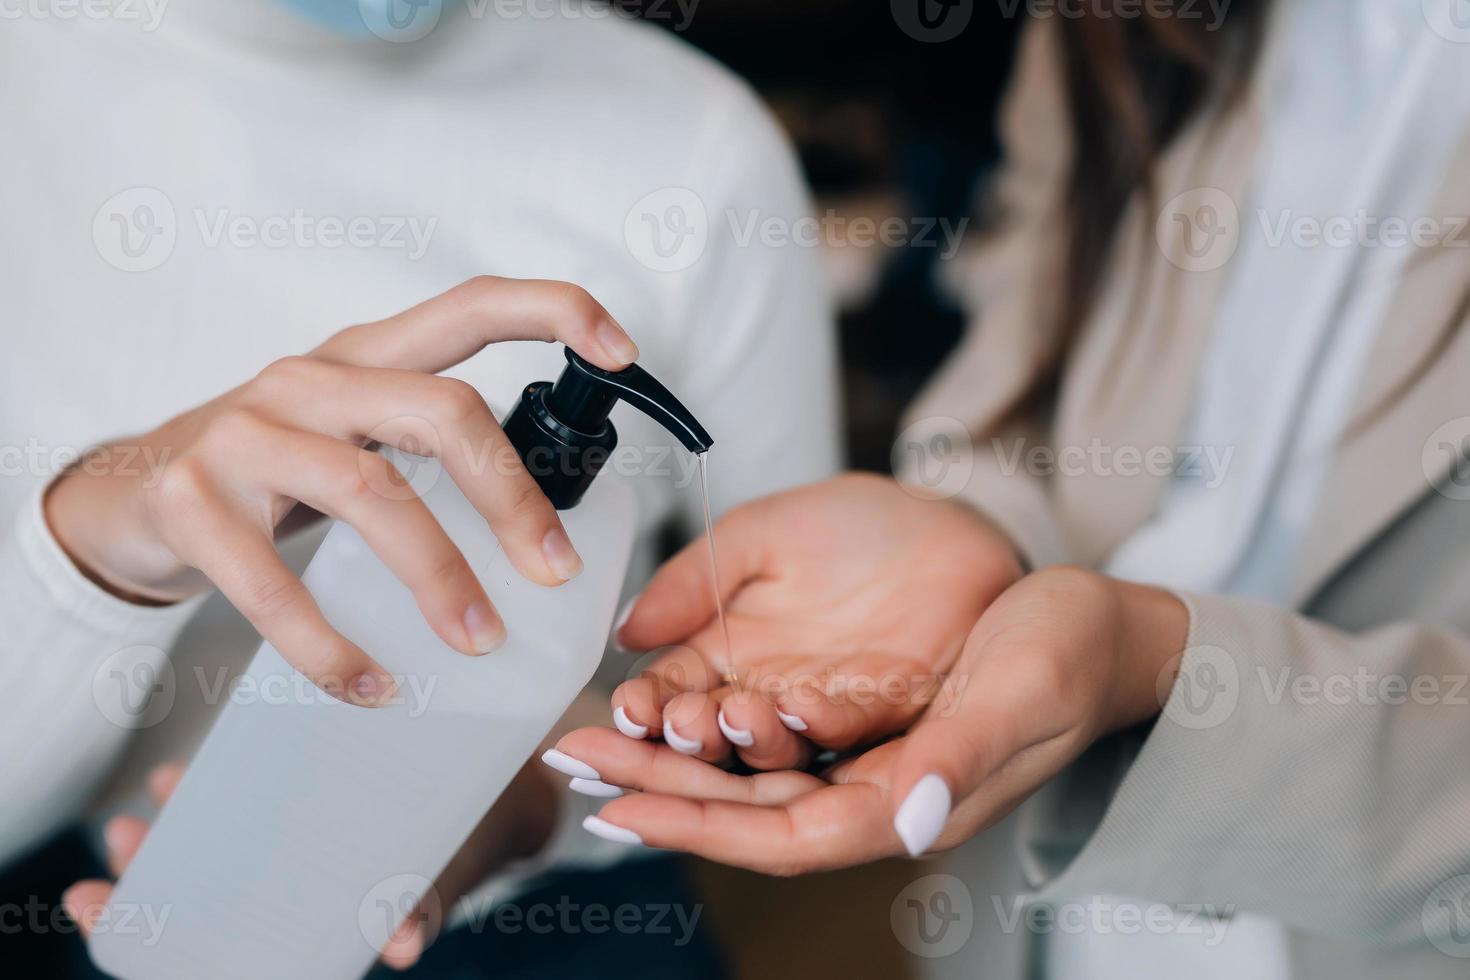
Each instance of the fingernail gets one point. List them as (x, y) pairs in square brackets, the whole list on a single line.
[(486, 631), (627, 725), (373, 690), (110, 837), (622, 621), (615, 340), (678, 742), (742, 737), (608, 831), (594, 787), (791, 721), (565, 563), (567, 766), (923, 814)]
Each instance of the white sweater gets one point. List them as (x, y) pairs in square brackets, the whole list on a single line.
[(277, 183)]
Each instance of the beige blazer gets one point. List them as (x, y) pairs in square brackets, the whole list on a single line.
[(1339, 803)]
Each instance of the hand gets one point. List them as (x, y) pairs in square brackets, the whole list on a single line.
[(1061, 658), (847, 602), (296, 434), (517, 826)]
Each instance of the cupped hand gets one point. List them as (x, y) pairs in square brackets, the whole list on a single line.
[(516, 826), (1062, 657), (847, 602), (300, 433)]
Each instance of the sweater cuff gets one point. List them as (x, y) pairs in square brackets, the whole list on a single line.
[(83, 601)]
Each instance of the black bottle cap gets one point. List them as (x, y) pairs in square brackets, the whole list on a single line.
[(562, 431)]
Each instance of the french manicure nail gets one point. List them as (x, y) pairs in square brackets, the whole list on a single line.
[(594, 787), (923, 814), (562, 558), (567, 766), (791, 721), (609, 831), (615, 340), (485, 630), (742, 737), (678, 742), (620, 622), (627, 725)]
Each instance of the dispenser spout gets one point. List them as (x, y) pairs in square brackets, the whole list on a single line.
[(562, 431)]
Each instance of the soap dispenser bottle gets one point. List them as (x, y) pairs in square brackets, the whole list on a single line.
[(306, 829)]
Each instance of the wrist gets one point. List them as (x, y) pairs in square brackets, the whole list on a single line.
[(1153, 628)]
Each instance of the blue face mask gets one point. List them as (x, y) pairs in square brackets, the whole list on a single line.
[(391, 20)]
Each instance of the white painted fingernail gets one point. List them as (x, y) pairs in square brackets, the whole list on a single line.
[(923, 814), (678, 742), (627, 725), (622, 621), (742, 737), (565, 764), (791, 721), (594, 787), (609, 831)]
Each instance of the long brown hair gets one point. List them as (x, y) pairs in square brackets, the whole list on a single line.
[(1132, 83)]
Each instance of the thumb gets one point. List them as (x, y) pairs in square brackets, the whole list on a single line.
[(990, 709), (680, 598)]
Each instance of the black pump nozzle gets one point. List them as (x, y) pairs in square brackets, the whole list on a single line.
[(562, 431)]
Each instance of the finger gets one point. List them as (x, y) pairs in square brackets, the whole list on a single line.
[(691, 728), (426, 415), (751, 723), (680, 598), (615, 761), (162, 782), (998, 711), (443, 331), (364, 490), (85, 901), (830, 827), (123, 835), (856, 701), (243, 563), (638, 703), (406, 945)]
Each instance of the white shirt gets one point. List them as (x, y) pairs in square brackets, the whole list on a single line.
[(1365, 104), (245, 142)]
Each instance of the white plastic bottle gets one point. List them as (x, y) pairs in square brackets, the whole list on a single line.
[(305, 829)]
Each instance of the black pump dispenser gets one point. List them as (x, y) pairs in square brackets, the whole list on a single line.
[(563, 433)]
